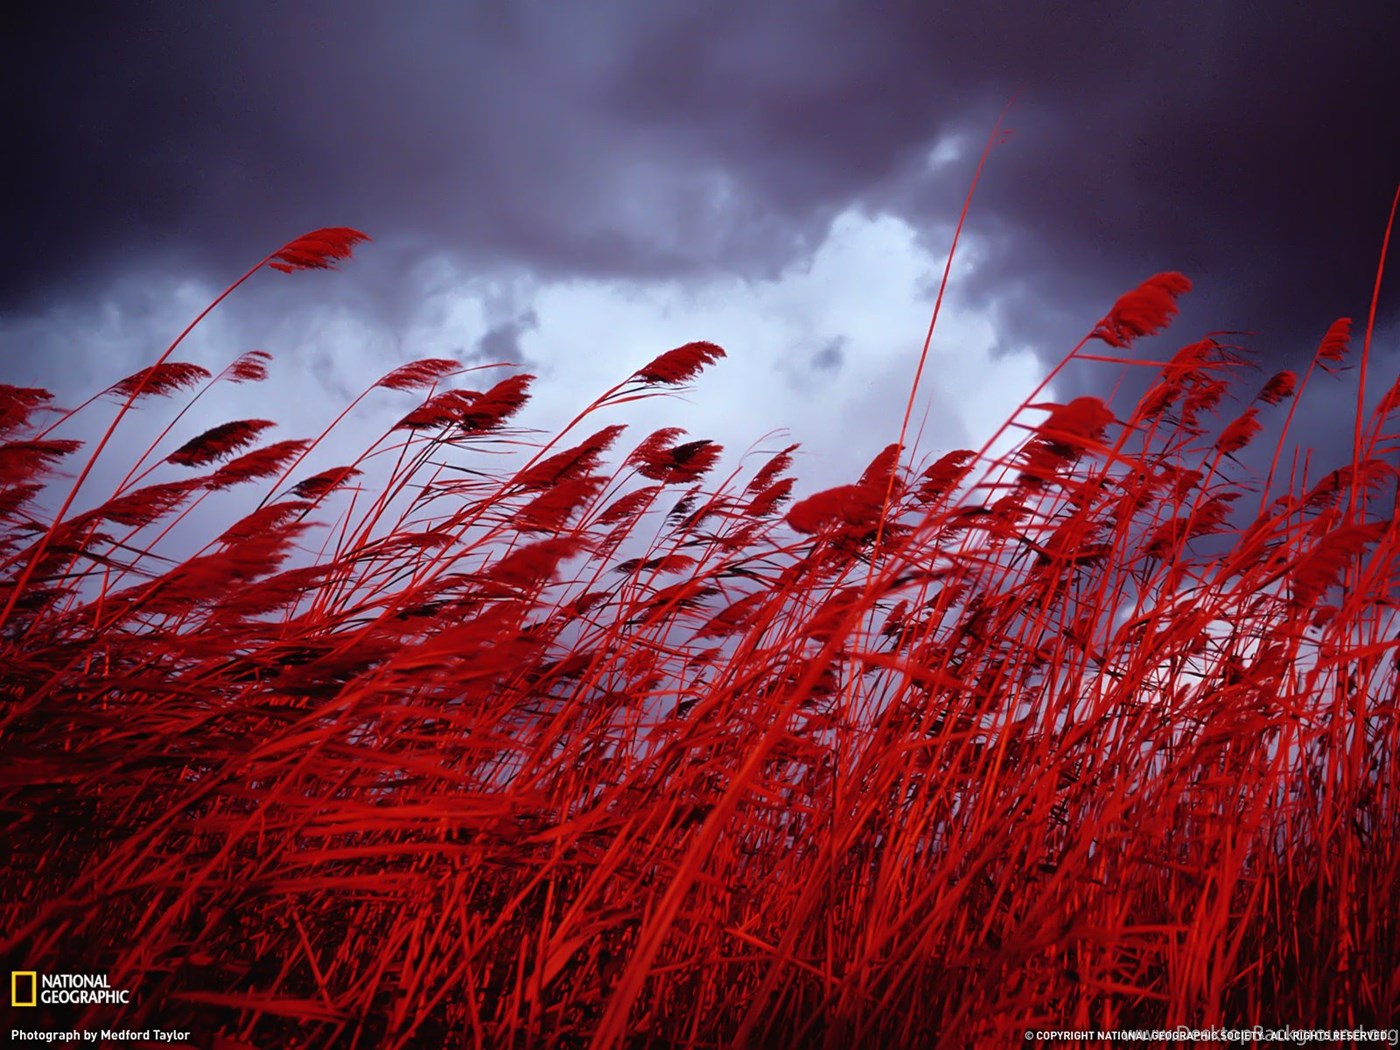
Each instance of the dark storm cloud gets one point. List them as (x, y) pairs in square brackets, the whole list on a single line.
[(830, 357), (501, 342), (1252, 146)]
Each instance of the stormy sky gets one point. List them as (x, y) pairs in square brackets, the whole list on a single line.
[(581, 186)]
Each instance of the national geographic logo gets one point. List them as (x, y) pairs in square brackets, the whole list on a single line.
[(24, 988), (30, 988)]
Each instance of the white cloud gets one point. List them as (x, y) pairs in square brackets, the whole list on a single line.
[(864, 291), (826, 351)]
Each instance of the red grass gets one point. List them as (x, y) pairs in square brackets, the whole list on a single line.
[(543, 751)]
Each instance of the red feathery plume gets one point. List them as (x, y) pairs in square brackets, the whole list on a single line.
[(1069, 431), (549, 511), (1320, 569), (653, 445), (260, 463), (1239, 433), (1204, 396), (571, 463), (882, 468), (681, 464), (1279, 387), (658, 459), (629, 506), (768, 500), (145, 505), (217, 442), (1334, 344), (13, 496), (734, 618), (942, 477), (419, 375), (276, 592), (440, 410), (769, 472), (854, 505), (1190, 359), (489, 410), (317, 250), (533, 563), (160, 380), (20, 460), (680, 365), (250, 368), (321, 484), (17, 404), (265, 519), (1146, 310), (665, 563)]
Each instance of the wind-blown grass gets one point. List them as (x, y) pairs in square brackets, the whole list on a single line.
[(585, 746)]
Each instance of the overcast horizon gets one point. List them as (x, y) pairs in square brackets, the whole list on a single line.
[(580, 189)]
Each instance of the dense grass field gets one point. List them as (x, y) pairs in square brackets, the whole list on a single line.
[(482, 740)]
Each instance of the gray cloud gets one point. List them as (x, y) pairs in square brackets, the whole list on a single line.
[(1248, 145), (501, 342), (830, 357)]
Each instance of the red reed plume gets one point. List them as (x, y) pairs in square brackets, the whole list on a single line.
[(1146, 310), (317, 250)]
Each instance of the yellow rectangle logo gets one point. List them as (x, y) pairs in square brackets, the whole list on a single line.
[(17, 979)]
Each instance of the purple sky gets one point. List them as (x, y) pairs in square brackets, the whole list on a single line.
[(583, 186)]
